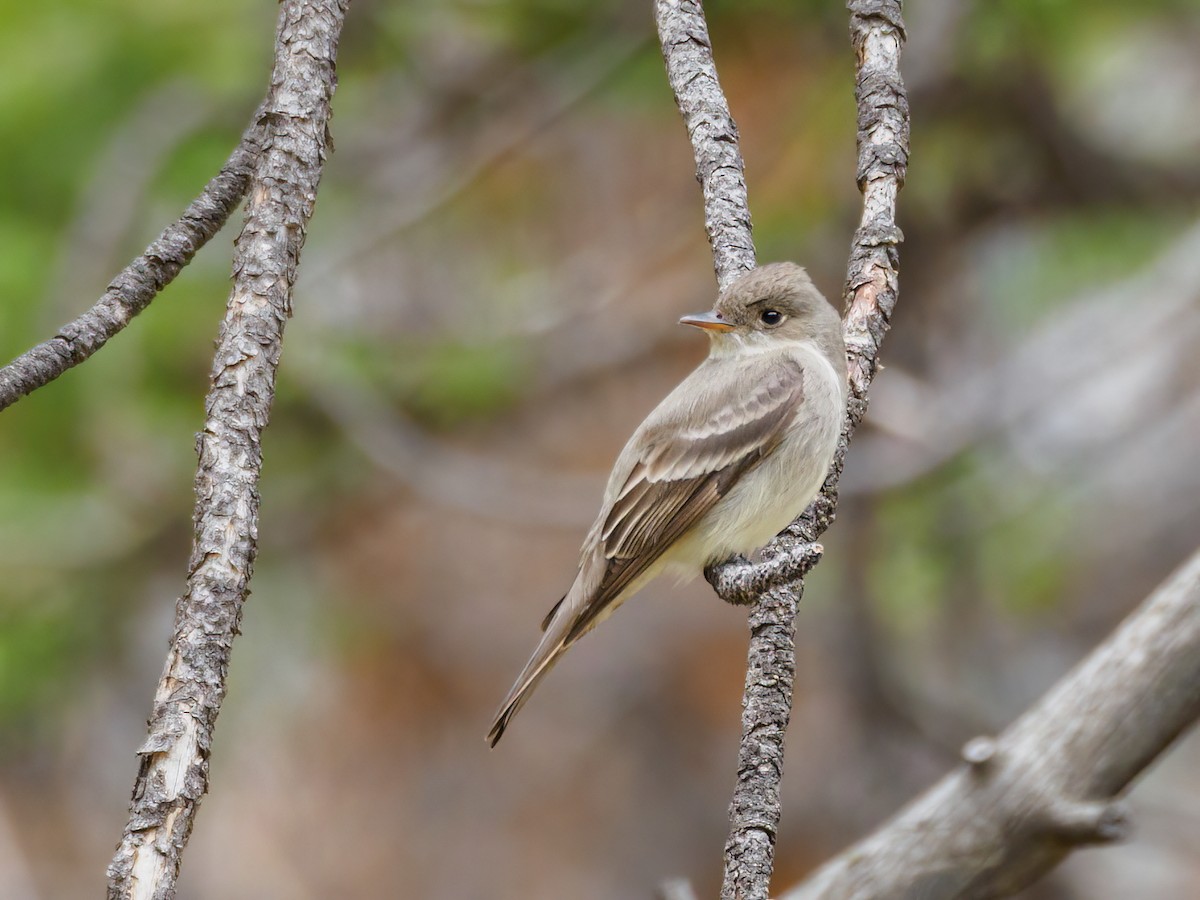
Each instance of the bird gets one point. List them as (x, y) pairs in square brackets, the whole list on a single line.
[(736, 451)]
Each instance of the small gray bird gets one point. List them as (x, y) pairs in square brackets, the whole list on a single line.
[(724, 463)]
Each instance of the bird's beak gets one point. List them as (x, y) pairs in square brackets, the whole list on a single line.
[(709, 321)]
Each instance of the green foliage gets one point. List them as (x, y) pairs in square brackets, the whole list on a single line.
[(913, 556), (448, 383), (956, 531), (1026, 557), (1063, 259), (48, 631)]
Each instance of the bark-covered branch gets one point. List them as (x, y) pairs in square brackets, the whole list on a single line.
[(692, 73), (173, 775), (775, 585), (1053, 780), (140, 281)]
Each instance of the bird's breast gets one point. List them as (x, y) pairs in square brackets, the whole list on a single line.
[(769, 496)]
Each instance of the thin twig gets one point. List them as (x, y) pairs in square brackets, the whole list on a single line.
[(116, 188), (776, 584), (173, 775), (1052, 782), (140, 281)]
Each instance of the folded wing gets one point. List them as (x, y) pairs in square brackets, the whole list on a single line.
[(688, 459)]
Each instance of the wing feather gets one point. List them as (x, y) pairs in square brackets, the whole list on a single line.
[(683, 468)]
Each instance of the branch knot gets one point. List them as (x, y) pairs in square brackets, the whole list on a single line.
[(1087, 821)]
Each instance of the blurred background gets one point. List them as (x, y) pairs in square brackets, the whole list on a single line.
[(505, 237)]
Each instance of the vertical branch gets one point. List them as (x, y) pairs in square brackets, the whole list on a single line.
[(173, 774), (692, 73), (872, 286), (775, 585)]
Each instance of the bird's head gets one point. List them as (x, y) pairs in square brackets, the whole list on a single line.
[(774, 303)]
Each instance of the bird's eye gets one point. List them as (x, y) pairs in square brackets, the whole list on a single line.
[(771, 317)]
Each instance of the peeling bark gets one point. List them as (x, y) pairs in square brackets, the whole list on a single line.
[(173, 775)]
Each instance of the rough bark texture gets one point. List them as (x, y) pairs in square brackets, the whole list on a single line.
[(1052, 781), (774, 585), (140, 281), (174, 758), (692, 73)]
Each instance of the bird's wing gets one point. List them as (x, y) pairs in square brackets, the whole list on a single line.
[(690, 454)]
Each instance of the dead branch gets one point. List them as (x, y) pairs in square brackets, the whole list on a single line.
[(173, 775), (1053, 781)]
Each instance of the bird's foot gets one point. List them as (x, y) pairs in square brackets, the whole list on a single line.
[(740, 581)]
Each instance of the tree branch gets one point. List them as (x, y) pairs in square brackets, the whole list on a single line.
[(692, 73), (173, 775), (1052, 781), (776, 584), (140, 281)]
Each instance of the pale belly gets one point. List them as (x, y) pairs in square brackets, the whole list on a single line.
[(772, 494)]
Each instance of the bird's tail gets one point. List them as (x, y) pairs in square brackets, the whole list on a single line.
[(549, 649), (567, 622)]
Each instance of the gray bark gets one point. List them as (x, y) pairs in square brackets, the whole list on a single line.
[(140, 281), (774, 585), (173, 774), (1052, 781), (692, 74)]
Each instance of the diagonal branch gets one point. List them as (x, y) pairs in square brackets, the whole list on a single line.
[(1052, 781), (173, 775), (140, 281), (776, 584)]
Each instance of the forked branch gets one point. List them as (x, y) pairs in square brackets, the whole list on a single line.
[(776, 584)]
